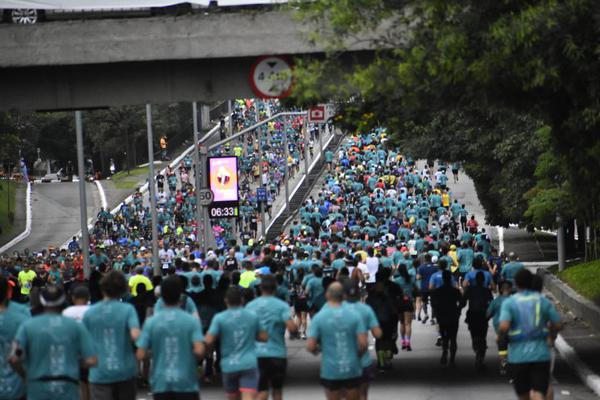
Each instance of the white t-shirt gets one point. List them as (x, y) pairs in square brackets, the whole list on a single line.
[(75, 312), (372, 265), (365, 271)]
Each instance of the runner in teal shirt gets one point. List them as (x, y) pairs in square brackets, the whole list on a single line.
[(341, 334), (52, 347), (114, 327), (11, 317), (274, 314), (175, 338), (237, 329), (527, 319)]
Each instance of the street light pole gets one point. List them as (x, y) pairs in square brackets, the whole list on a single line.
[(306, 135), (197, 176), (286, 171), (85, 245), (152, 190), (560, 242)]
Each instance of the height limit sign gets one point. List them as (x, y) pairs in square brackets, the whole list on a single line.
[(271, 77)]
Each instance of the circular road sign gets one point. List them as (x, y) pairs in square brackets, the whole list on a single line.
[(205, 196), (271, 77)]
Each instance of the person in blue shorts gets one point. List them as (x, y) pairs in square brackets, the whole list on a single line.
[(340, 334), (238, 330), (176, 341)]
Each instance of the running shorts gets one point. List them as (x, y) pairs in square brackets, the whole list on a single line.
[(272, 373), (530, 376), (241, 381)]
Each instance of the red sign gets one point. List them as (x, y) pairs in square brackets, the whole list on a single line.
[(317, 114)]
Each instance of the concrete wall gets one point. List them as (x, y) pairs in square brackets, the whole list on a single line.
[(100, 63)]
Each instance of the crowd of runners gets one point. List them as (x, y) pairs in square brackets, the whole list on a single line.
[(380, 245)]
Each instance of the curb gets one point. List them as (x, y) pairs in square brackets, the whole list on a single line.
[(588, 377), (28, 217), (103, 201)]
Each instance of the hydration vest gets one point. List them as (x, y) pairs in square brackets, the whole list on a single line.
[(530, 326)]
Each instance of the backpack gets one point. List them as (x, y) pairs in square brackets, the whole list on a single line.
[(530, 324)]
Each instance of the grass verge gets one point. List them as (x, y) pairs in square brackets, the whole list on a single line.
[(135, 178), (8, 190), (584, 278)]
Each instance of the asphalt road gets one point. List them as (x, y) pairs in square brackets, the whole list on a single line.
[(417, 375), (55, 217)]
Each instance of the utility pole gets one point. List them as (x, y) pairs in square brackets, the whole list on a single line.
[(152, 190), (198, 172), (261, 204), (203, 157), (85, 245), (560, 242), (306, 153)]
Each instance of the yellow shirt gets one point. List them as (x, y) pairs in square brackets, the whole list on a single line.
[(136, 280), (25, 279), (246, 278), (445, 200), (454, 266)]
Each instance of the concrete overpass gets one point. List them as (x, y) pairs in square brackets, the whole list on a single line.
[(100, 63)]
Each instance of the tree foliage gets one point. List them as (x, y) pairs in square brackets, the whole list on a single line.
[(534, 59)]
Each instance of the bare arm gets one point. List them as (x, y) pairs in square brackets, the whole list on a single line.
[(262, 336), (209, 340), (361, 339), (291, 326), (199, 349), (312, 346), (134, 333), (140, 354), (376, 332)]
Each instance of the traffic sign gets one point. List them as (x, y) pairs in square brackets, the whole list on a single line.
[(261, 194), (317, 114), (205, 196), (271, 77)]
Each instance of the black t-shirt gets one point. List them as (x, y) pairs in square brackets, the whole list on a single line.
[(231, 264), (160, 179)]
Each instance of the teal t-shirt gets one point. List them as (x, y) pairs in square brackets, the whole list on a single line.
[(316, 291), (336, 329), (273, 314), (109, 323), (494, 310), (189, 307), (509, 270), (237, 329), (367, 315), (528, 350), (52, 346), (170, 336), (11, 385), (465, 260)]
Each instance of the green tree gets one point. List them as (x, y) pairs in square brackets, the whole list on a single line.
[(535, 57)]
